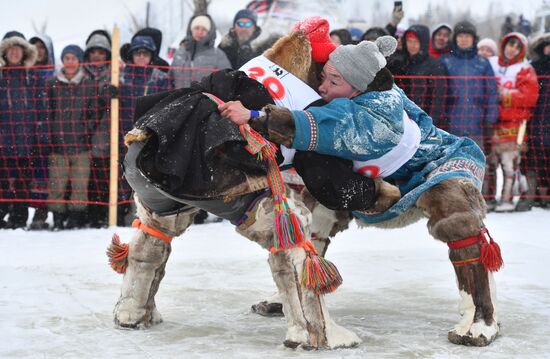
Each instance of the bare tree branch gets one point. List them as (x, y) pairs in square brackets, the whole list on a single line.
[(201, 6)]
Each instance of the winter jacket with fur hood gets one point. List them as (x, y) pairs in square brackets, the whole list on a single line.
[(22, 101), (196, 59), (518, 88)]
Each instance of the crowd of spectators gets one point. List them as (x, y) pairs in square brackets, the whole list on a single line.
[(54, 121)]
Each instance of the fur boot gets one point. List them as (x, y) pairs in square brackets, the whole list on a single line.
[(325, 223), (456, 210), (147, 257), (308, 322)]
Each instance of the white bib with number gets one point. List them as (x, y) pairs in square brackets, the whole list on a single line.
[(286, 90), (390, 162)]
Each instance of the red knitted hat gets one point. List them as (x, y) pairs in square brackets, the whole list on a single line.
[(317, 31)]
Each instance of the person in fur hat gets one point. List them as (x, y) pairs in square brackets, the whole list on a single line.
[(518, 89), (22, 110), (370, 121), (212, 170)]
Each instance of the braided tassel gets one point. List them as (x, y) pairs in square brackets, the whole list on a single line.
[(288, 229), (490, 255), (320, 275), (117, 253)]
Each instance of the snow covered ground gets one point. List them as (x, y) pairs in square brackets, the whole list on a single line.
[(57, 294)]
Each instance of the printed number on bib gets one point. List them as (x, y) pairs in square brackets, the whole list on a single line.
[(369, 171), (273, 85)]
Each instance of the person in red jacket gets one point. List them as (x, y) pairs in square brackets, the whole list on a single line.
[(518, 93)]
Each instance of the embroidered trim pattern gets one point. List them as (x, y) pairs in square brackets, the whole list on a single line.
[(465, 261), (312, 131), (460, 165)]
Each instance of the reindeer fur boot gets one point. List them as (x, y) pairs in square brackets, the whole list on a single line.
[(325, 223), (147, 257), (308, 322), (456, 210)]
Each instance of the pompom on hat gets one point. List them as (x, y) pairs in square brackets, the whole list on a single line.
[(317, 31), (360, 63)]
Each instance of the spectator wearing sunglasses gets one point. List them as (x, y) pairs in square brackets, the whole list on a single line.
[(238, 44)]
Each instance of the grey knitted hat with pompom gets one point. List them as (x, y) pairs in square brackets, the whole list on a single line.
[(359, 63)]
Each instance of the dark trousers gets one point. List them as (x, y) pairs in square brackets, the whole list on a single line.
[(15, 183), (98, 191)]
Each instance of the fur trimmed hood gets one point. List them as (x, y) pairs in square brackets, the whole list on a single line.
[(29, 51), (537, 45)]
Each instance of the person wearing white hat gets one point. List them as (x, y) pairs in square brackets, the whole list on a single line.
[(197, 56)]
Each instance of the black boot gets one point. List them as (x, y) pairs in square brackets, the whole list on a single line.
[(59, 221), (524, 205), (18, 216), (200, 217), (77, 220)]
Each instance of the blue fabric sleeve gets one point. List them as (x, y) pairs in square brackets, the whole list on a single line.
[(349, 130)]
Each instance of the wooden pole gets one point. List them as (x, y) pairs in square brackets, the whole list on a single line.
[(113, 181)]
